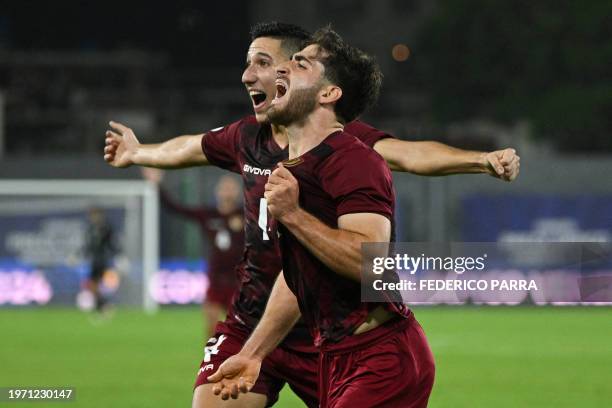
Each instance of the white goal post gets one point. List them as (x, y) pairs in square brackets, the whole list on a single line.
[(138, 200)]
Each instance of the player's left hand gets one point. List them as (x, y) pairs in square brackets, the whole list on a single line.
[(236, 375), (503, 164), (282, 193)]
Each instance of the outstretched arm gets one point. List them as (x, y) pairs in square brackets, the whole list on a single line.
[(155, 176), (437, 159), (123, 149), (239, 372)]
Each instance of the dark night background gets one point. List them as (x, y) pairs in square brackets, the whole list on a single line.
[(477, 74), (546, 63)]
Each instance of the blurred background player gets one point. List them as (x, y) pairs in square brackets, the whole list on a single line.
[(100, 249), (223, 226)]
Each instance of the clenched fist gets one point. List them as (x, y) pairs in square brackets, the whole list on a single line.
[(504, 164), (282, 193)]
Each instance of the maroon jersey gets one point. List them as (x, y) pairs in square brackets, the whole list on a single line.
[(339, 176), (248, 148), (225, 232)]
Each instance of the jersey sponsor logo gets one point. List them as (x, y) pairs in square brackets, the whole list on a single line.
[(209, 351), (206, 367), (256, 170), (217, 129)]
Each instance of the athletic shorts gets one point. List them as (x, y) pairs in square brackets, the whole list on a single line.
[(389, 366), (299, 369)]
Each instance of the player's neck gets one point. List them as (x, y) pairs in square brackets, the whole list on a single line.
[(305, 135), (279, 134), (225, 207)]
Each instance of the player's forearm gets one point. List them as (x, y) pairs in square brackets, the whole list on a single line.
[(430, 158), (339, 249), (179, 152), (281, 314)]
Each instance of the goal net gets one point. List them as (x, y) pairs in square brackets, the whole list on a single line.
[(44, 230)]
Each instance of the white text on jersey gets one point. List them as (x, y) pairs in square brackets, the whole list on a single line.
[(256, 170)]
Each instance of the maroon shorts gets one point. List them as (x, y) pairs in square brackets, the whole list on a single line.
[(299, 369), (389, 366)]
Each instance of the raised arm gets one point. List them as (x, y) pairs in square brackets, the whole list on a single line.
[(155, 176), (123, 149), (239, 372), (430, 158), (338, 248)]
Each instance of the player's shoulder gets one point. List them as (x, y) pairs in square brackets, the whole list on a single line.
[(347, 143), (347, 149), (357, 128), (250, 120), (246, 125), (366, 133)]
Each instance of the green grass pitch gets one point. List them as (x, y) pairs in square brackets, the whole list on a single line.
[(485, 357)]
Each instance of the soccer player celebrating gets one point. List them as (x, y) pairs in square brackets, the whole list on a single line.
[(372, 354), (223, 225), (253, 147)]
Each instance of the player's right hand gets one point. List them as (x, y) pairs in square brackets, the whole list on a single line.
[(120, 145), (236, 375)]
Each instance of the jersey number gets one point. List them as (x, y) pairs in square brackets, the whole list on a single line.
[(209, 351), (263, 218)]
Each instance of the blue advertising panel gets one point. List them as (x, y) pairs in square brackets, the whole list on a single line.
[(537, 218)]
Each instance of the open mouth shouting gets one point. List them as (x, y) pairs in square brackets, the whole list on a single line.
[(258, 98), (281, 88)]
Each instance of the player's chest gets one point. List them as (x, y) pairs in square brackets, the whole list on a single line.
[(314, 198), (256, 166)]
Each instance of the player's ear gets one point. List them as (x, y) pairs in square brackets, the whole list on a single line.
[(330, 94)]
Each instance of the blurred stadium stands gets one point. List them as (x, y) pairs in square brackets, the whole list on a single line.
[(173, 69)]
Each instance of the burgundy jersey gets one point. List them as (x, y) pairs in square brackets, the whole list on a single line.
[(225, 232), (248, 148), (339, 176)]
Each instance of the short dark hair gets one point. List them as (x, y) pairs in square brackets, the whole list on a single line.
[(293, 37), (354, 71)]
